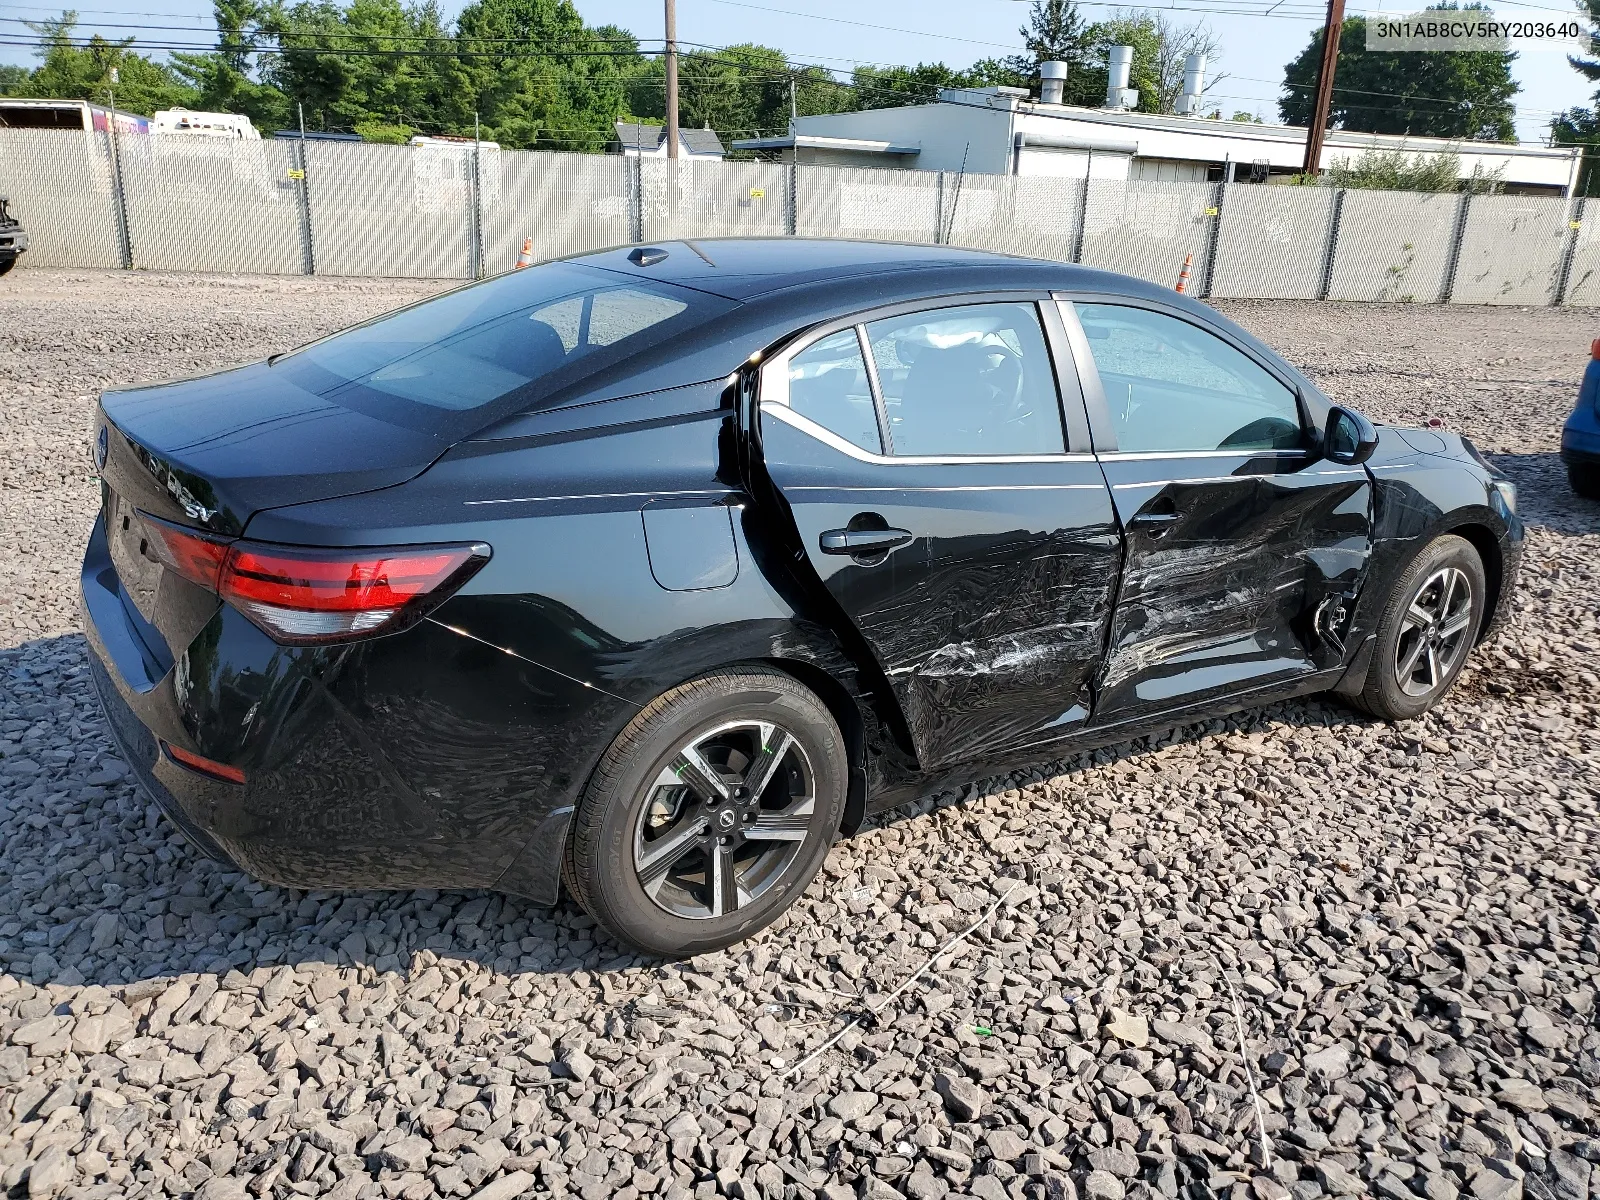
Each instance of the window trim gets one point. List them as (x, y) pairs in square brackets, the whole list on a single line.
[(1104, 433), (774, 377)]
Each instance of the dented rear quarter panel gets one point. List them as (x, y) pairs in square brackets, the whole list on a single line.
[(569, 628)]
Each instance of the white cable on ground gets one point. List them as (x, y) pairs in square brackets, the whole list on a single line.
[(1250, 1076), (873, 1012)]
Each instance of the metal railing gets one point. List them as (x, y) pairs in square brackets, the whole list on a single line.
[(462, 211)]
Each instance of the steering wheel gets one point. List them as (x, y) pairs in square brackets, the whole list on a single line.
[(1011, 362), (1264, 433)]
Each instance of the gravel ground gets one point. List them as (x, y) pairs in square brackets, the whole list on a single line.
[(1297, 953)]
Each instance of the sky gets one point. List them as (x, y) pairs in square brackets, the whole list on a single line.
[(1258, 37)]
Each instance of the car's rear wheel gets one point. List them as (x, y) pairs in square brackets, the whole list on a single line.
[(1585, 479), (710, 813), (1431, 622)]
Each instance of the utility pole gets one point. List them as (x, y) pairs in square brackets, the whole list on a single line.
[(1324, 100), (672, 79)]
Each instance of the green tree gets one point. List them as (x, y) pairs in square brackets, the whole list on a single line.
[(1429, 94), (14, 79), (1397, 171), (227, 78), (1581, 126), (1055, 32), (891, 87), (74, 70), (538, 75), (360, 66)]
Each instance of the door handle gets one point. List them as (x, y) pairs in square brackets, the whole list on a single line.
[(863, 542), (1156, 524)]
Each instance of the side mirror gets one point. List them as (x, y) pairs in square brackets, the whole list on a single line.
[(1350, 437)]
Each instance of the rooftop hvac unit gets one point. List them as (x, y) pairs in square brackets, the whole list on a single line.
[(1118, 93), (1052, 81), (1194, 82)]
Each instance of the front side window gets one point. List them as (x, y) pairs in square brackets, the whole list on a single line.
[(1171, 386), (970, 380), (828, 384)]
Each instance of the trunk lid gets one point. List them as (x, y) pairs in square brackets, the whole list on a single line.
[(213, 451), (210, 453)]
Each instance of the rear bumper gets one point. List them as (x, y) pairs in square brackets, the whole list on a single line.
[(13, 242), (424, 759), (142, 752)]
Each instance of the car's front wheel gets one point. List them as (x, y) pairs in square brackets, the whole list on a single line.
[(1431, 622), (710, 813)]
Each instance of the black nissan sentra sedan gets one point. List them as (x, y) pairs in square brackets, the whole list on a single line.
[(653, 571)]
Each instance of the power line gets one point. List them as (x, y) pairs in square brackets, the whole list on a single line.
[(635, 51)]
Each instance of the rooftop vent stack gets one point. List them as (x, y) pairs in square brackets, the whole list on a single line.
[(1118, 93), (1052, 82), (1194, 82)]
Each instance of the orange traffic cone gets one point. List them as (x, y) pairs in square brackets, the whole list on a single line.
[(1183, 275), (525, 259)]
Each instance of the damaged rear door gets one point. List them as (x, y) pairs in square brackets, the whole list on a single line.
[(963, 529), (1243, 543)]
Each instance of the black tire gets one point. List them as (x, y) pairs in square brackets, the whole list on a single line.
[(638, 799), (1585, 479), (1436, 652), (6, 264)]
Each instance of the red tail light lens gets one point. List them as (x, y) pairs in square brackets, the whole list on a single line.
[(195, 556), (303, 595)]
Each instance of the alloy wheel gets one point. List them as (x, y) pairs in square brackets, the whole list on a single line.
[(1434, 631), (724, 819)]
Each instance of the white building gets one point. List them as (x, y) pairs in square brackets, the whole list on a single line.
[(1004, 131), (650, 141)]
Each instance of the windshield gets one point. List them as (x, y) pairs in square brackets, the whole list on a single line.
[(521, 335)]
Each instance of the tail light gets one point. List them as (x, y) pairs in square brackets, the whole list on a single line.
[(300, 595)]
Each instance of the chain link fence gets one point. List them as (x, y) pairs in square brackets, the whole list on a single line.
[(464, 210)]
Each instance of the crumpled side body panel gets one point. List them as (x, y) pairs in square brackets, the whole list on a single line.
[(1224, 595)]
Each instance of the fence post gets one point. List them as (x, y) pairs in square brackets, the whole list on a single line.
[(305, 207), (938, 203), (477, 212), (636, 186), (1216, 236), (1083, 219), (120, 199), (1456, 238), (1575, 213), (793, 216), (1334, 213)]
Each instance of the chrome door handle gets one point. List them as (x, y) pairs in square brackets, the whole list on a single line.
[(1156, 524), (863, 542)]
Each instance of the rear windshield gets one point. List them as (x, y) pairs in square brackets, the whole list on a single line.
[(440, 364)]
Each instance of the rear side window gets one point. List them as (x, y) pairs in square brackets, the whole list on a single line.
[(828, 384), (970, 380), (436, 364), (1171, 386)]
